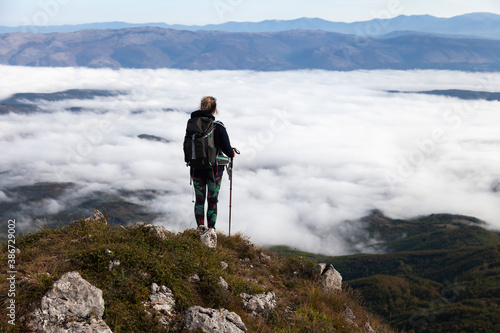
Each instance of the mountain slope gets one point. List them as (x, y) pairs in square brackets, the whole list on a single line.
[(207, 50), (125, 262), (441, 275)]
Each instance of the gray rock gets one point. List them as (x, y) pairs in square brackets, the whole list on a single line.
[(223, 283), (264, 258), (213, 321), (112, 264), (162, 303), (72, 306), (349, 315), (259, 304), (195, 278), (154, 288), (318, 270), (368, 328), (331, 279), (157, 230), (209, 238), (224, 265), (97, 217), (161, 299)]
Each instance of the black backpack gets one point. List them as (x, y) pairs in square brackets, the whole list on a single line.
[(199, 145)]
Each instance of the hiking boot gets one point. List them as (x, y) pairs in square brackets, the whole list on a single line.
[(202, 228), (209, 238)]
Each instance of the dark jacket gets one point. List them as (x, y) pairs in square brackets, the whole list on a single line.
[(221, 139)]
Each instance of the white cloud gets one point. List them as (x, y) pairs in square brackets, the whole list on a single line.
[(318, 148)]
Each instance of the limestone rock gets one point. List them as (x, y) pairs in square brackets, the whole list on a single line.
[(318, 270), (258, 304), (161, 299), (368, 328), (195, 278), (349, 315), (264, 258), (224, 265), (213, 321), (157, 230), (209, 238), (112, 264), (162, 303), (331, 279), (72, 306), (223, 283), (97, 217)]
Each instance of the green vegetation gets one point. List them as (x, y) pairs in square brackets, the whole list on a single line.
[(442, 274), (89, 246)]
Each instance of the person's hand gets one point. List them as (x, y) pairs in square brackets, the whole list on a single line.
[(236, 151)]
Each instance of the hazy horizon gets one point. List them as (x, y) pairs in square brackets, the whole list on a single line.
[(27, 23), (201, 12)]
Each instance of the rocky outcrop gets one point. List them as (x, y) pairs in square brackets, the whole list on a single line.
[(330, 279), (209, 238), (351, 319), (213, 321), (349, 315), (195, 278), (162, 303), (223, 283), (157, 230), (259, 304), (161, 299), (264, 258), (368, 328), (112, 264), (97, 217), (72, 306)]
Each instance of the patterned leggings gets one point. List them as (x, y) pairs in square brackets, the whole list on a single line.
[(203, 180)]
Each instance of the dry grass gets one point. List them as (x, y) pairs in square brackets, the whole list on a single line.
[(88, 247)]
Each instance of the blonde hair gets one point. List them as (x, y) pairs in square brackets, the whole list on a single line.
[(208, 103)]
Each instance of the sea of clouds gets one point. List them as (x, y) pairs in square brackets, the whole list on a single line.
[(318, 148)]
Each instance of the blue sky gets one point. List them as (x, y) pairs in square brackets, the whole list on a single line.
[(200, 12)]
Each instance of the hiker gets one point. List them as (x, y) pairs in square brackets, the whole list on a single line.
[(207, 182)]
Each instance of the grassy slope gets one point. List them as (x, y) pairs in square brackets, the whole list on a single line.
[(302, 307), (443, 274)]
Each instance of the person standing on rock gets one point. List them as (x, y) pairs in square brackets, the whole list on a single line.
[(207, 178)]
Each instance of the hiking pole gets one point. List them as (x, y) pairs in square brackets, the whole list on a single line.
[(231, 188)]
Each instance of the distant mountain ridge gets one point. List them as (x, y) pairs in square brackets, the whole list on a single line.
[(479, 25), (149, 47)]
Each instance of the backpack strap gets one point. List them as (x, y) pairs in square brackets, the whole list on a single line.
[(218, 122), (221, 158)]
